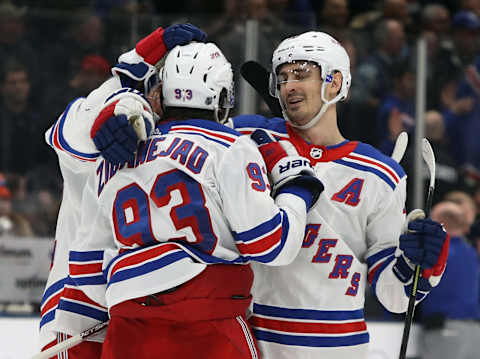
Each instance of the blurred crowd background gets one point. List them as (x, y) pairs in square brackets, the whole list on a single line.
[(55, 51)]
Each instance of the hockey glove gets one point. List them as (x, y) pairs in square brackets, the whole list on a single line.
[(288, 171), (182, 34), (154, 46), (119, 127), (424, 243), (139, 63)]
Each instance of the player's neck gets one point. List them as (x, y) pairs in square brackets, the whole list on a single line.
[(325, 132)]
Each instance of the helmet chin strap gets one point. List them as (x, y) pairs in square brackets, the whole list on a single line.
[(319, 114), (310, 123)]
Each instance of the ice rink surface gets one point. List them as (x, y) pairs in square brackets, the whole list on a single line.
[(19, 339)]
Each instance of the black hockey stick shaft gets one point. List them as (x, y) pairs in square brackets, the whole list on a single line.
[(258, 77), (429, 159)]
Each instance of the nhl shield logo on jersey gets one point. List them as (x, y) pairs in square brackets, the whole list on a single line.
[(316, 153)]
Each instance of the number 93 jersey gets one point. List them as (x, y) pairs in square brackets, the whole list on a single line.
[(196, 194)]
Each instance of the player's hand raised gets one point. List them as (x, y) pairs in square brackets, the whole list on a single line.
[(181, 34)]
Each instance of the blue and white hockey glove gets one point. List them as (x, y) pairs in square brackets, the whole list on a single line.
[(125, 120), (139, 63), (288, 171), (181, 34), (424, 243)]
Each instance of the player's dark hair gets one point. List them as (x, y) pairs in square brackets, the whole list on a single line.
[(185, 113)]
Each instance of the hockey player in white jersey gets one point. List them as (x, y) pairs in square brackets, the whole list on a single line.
[(166, 239), (63, 311), (314, 307)]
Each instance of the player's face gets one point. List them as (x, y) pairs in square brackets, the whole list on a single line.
[(300, 90)]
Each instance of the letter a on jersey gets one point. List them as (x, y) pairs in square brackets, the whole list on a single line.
[(350, 194)]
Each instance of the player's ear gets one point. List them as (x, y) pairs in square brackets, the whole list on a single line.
[(337, 81)]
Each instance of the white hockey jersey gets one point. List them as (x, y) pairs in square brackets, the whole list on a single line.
[(313, 307), (197, 194), (64, 308)]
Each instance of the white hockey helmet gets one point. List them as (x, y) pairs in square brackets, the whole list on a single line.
[(194, 76), (317, 47)]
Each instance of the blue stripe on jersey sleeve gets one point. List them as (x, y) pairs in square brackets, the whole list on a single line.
[(272, 255), (89, 280), (367, 150), (259, 230), (64, 143), (380, 255), (48, 317), (85, 310), (55, 287), (379, 271), (276, 124), (75, 256)]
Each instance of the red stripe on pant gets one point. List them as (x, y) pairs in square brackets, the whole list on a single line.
[(203, 318)]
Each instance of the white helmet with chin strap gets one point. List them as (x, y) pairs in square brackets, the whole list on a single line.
[(198, 76), (322, 49)]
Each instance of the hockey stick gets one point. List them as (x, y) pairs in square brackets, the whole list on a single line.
[(70, 342), (429, 158), (400, 146), (258, 77)]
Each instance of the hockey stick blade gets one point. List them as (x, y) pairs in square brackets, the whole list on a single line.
[(70, 342), (429, 158), (258, 77), (400, 146)]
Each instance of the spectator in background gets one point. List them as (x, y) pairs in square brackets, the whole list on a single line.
[(271, 30), (85, 36), (436, 19), (13, 39), (470, 5), (94, 70), (365, 25), (447, 176), (333, 16), (453, 58), (374, 74), (294, 12), (397, 111), (466, 203), (465, 125), (11, 223), (451, 312), (436, 23), (22, 124), (40, 207)]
